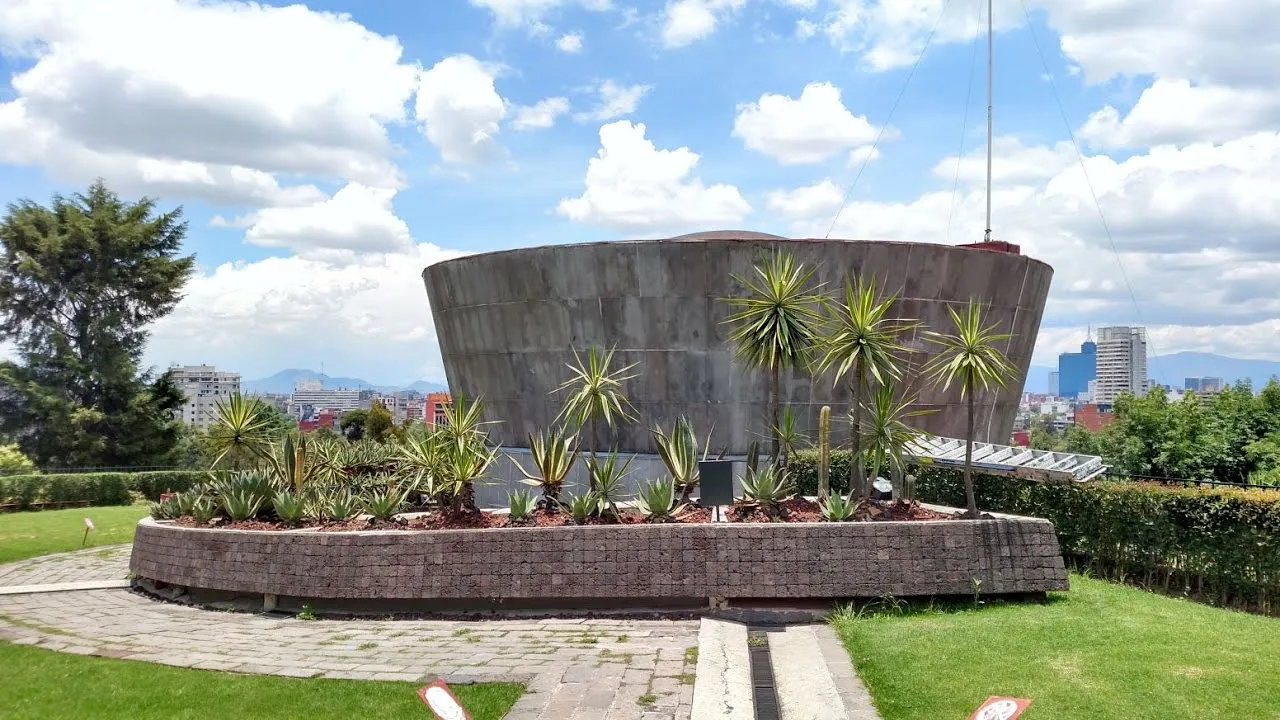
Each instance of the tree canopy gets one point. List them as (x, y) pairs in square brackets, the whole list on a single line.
[(80, 282)]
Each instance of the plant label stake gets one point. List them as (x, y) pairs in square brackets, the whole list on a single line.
[(442, 702), (1000, 708), (715, 485), (88, 525)]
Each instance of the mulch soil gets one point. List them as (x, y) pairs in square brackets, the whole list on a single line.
[(791, 511)]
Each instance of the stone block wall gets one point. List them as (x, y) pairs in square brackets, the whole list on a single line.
[(577, 566)]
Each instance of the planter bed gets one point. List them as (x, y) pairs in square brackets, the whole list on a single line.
[(630, 565)]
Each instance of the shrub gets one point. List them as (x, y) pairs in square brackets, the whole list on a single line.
[(95, 488), (803, 468), (1220, 546), (13, 462)]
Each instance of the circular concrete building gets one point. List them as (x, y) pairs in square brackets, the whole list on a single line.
[(508, 323)]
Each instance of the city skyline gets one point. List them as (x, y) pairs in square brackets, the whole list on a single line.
[(597, 121)]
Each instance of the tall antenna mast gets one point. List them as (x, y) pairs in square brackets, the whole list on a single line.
[(991, 91)]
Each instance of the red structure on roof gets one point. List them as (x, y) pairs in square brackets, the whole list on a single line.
[(995, 245)]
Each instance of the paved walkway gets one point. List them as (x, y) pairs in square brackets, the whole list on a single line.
[(574, 669)]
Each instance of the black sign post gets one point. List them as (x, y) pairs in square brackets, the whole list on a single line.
[(715, 483)]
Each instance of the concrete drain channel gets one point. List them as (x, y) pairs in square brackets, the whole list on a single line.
[(764, 692)]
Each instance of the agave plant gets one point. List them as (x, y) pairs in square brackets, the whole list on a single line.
[(366, 458), (165, 510), (203, 510), (863, 341), (775, 324), (386, 503), (341, 505), (242, 432), (241, 504), (520, 504), (887, 434), (293, 463), (838, 508), (969, 357), (595, 393), (289, 507), (656, 500), (186, 501), (607, 476), (258, 486), (767, 488), (554, 453), (581, 506), (679, 452)]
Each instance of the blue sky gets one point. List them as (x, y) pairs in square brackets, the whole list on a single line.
[(325, 152)]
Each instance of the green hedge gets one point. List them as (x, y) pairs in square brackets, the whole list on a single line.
[(96, 488), (1217, 545)]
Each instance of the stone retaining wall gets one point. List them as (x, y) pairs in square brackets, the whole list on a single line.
[(589, 566)]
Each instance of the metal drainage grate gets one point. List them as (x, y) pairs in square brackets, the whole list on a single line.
[(764, 693)]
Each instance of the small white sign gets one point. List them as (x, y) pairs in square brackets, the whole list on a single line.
[(88, 524), (442, 703)]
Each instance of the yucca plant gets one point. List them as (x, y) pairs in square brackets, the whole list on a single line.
[(887, 433), (463, 461), (242, 432), (520, 503), (656, 500), (385, 504), (969, 357), (203, 510), (419, 461), (292, 463), (595, 394), (607, 476), (553, 453), (342, 505), (767, 488), (582, 505), (789, 436), (289, 507), (240, 504), (838, 508), (863, 341), (775, 325), (679, 452)]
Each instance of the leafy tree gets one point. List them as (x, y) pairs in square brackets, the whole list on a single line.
[(969, 358), (775, 325), (13, 462), (862, 342), (80, 282), (353, 424), (379, 426)]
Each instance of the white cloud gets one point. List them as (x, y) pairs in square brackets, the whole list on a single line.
[(806, 28), (1177, 112), (570, 43), (809, 202), (356, 218), (615, 101), (531, 12), (809, 129), (368, 317), (541, 114), (863, 154), (632, 184), (125, 90), (686, 21), (460, 109)]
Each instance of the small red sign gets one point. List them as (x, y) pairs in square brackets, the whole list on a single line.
[(442, 702), (1000, 708)]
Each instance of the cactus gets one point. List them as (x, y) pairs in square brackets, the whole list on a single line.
[(753, 456), (910, 493), (824, 452)]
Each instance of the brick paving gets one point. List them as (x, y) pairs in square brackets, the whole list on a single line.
[(575, 669)]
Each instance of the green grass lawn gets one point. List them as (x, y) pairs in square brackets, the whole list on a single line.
[(1100, 651), (41, 532), (46, 684)]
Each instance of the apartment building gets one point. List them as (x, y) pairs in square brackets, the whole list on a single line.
[(1122, 363), (204, 385)]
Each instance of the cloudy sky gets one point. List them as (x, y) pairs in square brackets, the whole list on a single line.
[(325, 153)]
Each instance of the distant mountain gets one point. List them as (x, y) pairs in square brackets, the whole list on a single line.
[(283, 382), (1173, 370)]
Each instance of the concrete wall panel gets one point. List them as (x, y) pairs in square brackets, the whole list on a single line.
[(509, 321)]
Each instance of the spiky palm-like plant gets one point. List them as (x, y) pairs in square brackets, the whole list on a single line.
[(243, 430), (862, 340), (775, 326), (888, 432), (553, 453), (968, 356), (595, 393)]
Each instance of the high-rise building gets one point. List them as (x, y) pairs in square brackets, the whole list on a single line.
[(310, 397), (1203, 384), (1055, 383), (204, 386), (1075, 370), (1122, 363), (435, 408)]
